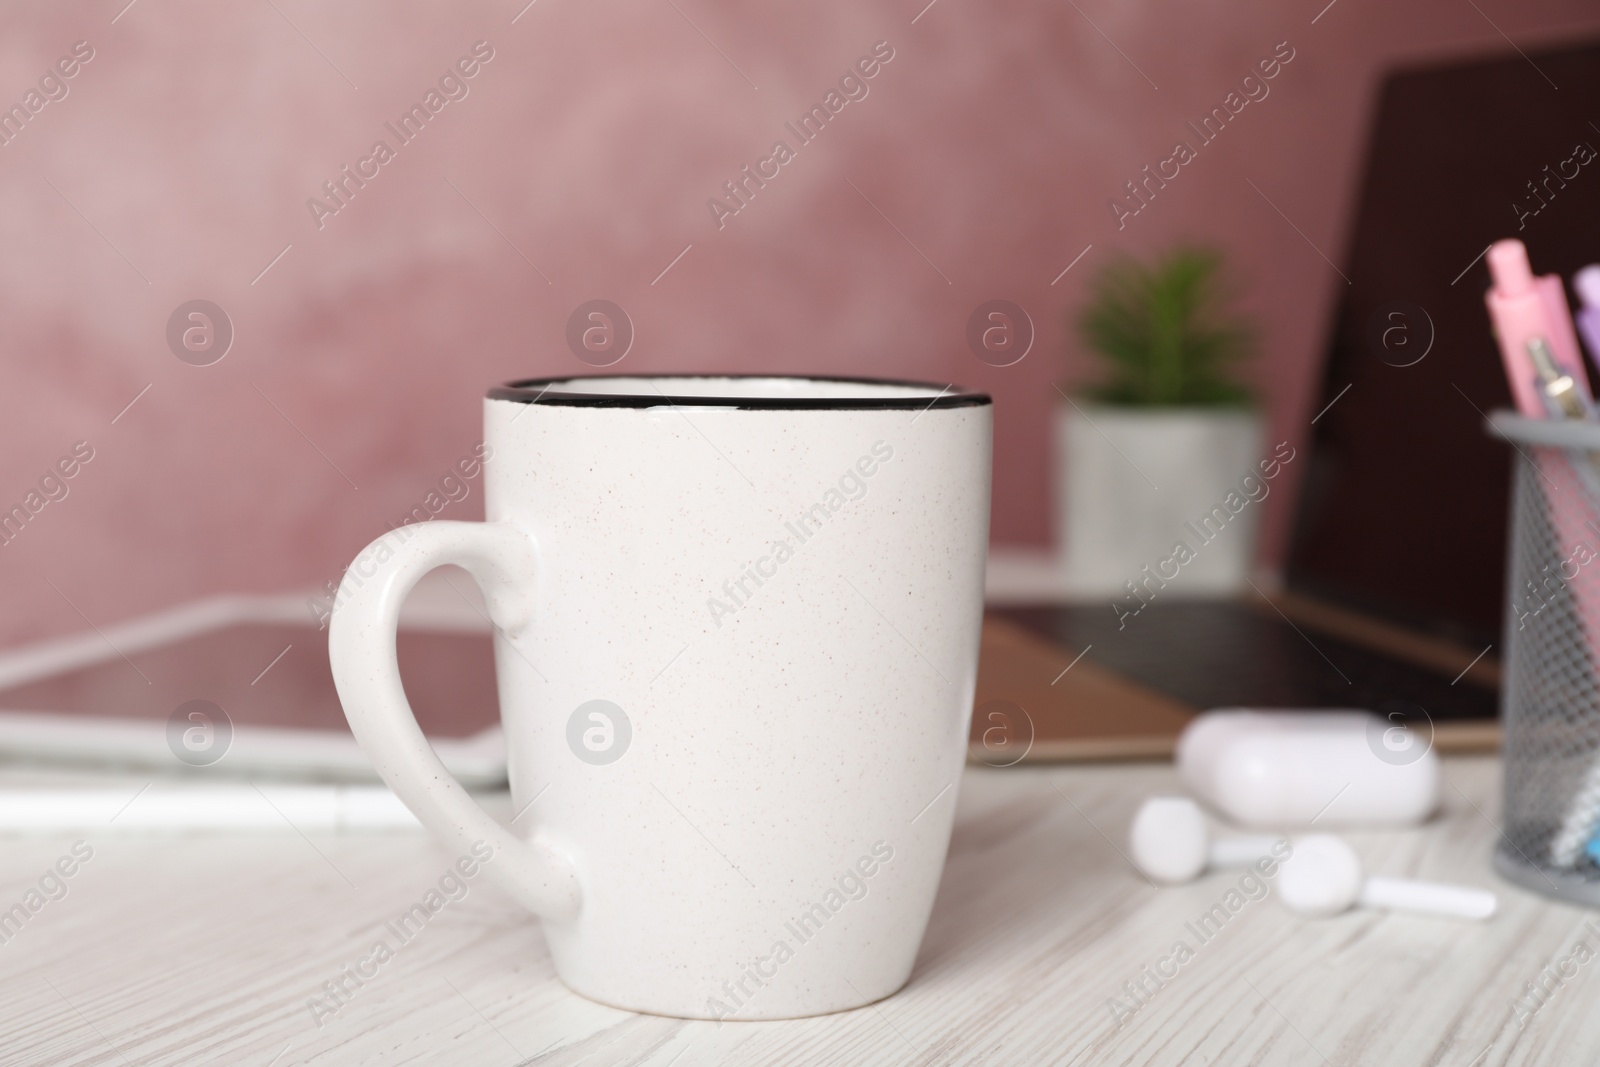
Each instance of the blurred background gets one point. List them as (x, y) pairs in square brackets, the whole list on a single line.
[(576, 163)]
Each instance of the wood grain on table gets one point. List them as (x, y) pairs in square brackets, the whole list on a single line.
[(205, 950)]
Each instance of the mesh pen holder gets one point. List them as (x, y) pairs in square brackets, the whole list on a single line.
[(1550, 700)]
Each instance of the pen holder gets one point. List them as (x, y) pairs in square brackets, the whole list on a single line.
[(1550, 700)]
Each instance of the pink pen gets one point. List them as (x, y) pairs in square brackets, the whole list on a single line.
[(1525, 310), (1587, 283)]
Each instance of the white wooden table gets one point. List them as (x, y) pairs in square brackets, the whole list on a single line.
[(206, 950)]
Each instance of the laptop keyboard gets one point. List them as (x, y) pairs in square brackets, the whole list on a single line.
[(1223, 654)]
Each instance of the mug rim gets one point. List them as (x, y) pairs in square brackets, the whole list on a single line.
[(537, 391)]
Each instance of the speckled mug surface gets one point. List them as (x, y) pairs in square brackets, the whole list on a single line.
[(736, 642)]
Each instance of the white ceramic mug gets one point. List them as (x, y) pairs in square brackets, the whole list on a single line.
[(736, 643)]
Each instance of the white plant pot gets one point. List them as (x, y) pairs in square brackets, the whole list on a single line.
[(1135, 483)]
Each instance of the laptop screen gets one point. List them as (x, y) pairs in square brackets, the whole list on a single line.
[(1404, 511)]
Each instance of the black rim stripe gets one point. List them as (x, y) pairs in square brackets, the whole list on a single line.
[(539, 391)]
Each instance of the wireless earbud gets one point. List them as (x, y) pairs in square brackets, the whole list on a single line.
[(1170, 843), (1323, 877)]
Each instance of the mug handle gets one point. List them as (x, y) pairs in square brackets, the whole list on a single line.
[(361, 648)]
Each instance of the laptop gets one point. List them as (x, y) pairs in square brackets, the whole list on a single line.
[(1394, 586)]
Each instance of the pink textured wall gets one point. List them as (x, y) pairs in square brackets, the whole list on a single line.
[(578, 165)]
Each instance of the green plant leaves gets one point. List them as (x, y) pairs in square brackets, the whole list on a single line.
[(1166, 333)]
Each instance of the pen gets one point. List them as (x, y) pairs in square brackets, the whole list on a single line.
[(1587, 285), (1526, 309)]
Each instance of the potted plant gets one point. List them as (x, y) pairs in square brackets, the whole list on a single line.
[(1160, 465)]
